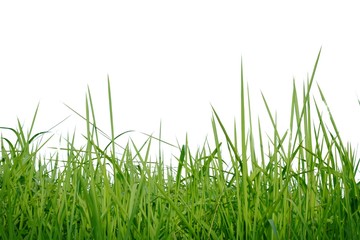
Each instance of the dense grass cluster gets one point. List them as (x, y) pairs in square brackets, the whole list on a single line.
[(294, 185)]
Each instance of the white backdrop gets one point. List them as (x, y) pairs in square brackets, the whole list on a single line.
[(170, 60)]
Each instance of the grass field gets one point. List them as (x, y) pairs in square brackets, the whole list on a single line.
[(298, 184)]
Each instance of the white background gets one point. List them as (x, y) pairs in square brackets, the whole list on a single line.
[(169, 60)]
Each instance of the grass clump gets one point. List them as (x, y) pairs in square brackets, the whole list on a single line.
[(301, 186)]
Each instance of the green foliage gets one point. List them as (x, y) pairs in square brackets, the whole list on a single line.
[(302, 187)]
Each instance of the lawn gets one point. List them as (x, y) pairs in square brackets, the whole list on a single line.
[(297, 184)]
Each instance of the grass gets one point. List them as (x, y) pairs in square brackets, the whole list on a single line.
[(297, 184)]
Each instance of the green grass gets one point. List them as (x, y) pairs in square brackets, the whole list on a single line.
[(297, 184)]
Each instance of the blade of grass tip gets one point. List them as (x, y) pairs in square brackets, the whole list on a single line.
[(121, 134), (331, 118), (180, 165), (36, 135), (111, 118), (84, 118), (146, 159), (235, 134), (243, 133), (252, 144), (89, 135), (292, 150), (8, 141), (138, 150), (228, 140), (307, 95), (331, 159), (243, 152), (111, 160), (58, 123), (93, 117), (161, 140), (21, 137), (274, 124), (261, 145), (160, 159), (190, 166), (31, 138), (347, 161), (33, 120), (325, 136), (292, 112), (216, 136), (294, 116)]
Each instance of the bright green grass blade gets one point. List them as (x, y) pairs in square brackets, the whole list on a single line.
[(180, 166), (111, 119)]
